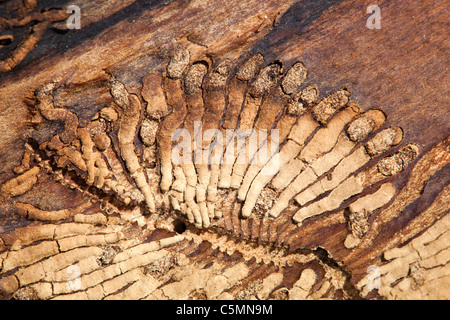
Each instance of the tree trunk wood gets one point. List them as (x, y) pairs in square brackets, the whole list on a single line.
[(400, 69)]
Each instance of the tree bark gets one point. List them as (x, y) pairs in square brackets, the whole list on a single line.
[(58, 85)]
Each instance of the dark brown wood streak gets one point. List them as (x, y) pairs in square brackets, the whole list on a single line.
[(358, 209)]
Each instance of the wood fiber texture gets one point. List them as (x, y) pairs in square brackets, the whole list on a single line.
[(94, 205)]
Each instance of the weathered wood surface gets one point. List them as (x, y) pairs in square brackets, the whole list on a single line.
[(399, 69)]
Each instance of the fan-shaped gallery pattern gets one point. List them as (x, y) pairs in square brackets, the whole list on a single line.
[(242, 154)]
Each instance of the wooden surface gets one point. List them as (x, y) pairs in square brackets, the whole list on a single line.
[(400, 69)]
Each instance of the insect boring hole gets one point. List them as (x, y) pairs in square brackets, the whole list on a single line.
[(6, 40), (179, 226)]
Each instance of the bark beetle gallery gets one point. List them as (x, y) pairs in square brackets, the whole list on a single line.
[(223, 176)]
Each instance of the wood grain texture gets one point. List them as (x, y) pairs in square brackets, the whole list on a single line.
[(48, 217)]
